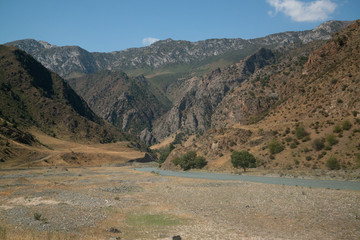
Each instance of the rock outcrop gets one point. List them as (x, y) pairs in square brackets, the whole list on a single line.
[(195, 110)]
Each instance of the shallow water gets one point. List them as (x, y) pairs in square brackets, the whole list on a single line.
[(312, 183)]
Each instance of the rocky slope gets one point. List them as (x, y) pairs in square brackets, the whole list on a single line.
[(314, 115), (32, 97), (194, 111), (126, 102), (70, 60), (173, 69)]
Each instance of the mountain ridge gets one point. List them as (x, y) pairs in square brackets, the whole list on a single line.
[(68, 60)]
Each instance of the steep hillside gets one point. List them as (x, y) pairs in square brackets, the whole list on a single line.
[(314, 119), (128, 103), (32, 97), (194, 111)]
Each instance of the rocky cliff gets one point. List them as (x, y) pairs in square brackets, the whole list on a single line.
[(126, 102), (306, 103), (195, 110)]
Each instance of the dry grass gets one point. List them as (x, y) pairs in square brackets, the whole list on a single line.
[(57, 152)]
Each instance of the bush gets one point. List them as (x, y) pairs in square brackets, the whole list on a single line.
[(300, 132), (164, 153), (333, 164), (331, 139), (318, 144), (37, 216), (337, 129), (346, 125), (179, 138), (243, 159), (275, 146), (357, 164), (190, 160)]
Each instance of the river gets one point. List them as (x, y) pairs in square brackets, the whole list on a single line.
[(312, 183)]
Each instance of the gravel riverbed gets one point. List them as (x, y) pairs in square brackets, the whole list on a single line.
[(122, 203)]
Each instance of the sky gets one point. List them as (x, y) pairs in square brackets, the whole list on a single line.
[(113, 25)]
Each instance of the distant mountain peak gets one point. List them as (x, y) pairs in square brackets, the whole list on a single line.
[(46, 44), (67, 61)]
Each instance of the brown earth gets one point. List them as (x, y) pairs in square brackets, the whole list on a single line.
[(121, 203), (50, 151)]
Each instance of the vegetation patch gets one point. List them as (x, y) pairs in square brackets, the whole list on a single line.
[(333, 164), (275, 146), (243, 159), (190, 160), (153, 220)]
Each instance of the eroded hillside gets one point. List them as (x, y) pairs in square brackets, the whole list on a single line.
[(314, 117)]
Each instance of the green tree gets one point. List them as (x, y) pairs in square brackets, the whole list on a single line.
[(243, 159), (190, 160)]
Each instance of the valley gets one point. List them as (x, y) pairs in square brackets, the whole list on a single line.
[(79, 130)]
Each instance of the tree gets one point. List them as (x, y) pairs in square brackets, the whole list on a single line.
[(243, 159), (190, 160)]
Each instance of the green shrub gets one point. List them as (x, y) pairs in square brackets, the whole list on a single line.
[(275, 146), (37, 216), (331, 139), (190, 160), (179, 138), (243, 159), (300, 132), (318, 144), (306, 138), (332, 163), (164, 153), (337, 129), (3, 233), (346, 125), (357, 164)]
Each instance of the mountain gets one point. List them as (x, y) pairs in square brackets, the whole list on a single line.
[(126, 102), (33, 97), (306, 103), (172, 70), (194, 111), (72, 60)]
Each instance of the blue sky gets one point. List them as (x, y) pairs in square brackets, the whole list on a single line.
[(111, 25)]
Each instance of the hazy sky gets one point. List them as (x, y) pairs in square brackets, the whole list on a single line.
[(110, 25)]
